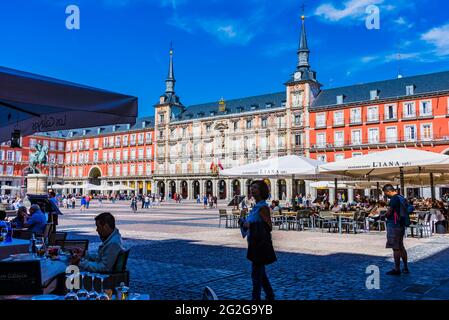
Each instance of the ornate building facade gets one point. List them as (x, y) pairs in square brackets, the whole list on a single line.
[(14, 162), (182, 149), (111, 155)]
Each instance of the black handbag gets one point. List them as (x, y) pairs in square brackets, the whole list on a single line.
[(260, 246)]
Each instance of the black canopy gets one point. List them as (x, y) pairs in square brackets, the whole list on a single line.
[(34, 103)]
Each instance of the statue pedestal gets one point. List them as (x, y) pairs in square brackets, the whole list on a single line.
[(37, 184)]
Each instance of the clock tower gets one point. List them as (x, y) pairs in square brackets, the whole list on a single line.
[(302, 90), (168, 108)]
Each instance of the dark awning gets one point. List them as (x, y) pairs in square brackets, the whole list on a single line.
[(34, 103)]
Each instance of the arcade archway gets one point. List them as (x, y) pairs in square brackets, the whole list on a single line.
[(209, 187), (161, 188), (236, 188), (184, 190), (94, 176), (222, 189), (172, 188), (196, 188)]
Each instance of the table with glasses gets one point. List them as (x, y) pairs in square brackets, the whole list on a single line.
[(14, 247), (50, 268)]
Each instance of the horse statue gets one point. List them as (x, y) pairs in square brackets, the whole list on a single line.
[(39, 157)]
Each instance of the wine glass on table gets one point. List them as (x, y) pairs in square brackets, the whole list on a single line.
[(40, 250), (92, 294), (103, 295), (71, 295), (82, 293)]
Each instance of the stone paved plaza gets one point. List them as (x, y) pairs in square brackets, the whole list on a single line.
[(178, 249)]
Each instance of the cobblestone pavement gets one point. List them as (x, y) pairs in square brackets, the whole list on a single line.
[(178, 249)]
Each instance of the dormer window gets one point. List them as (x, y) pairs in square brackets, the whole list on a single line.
[(84, 132), (114, 128), (254, 107), (374, 94), (71, 134), (144, 124), (212, 113), (340, 99), (268, 105), (284, 103), (239, 109), (98, 130), (128, 126), (410, 90)]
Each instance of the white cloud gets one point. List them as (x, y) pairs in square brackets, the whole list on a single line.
[(439, 38), (230, 31), (402, 22), (353, 9)]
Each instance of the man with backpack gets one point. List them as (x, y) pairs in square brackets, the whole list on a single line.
[(398, 219)]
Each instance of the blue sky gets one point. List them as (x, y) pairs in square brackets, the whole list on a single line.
[(223, 48)]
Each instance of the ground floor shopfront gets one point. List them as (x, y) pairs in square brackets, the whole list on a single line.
[(190, 187)]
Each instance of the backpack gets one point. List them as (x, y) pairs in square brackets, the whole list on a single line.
[(404, 213)]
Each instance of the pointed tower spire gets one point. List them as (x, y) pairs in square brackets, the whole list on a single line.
[(303, 51), (170, 82), (303, 71)]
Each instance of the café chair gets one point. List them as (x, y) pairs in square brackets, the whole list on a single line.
[(47, 231), (57, 237), (209, 294), (119, 273), (223, 214)]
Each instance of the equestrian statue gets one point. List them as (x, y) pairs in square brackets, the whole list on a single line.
[(39, 157)]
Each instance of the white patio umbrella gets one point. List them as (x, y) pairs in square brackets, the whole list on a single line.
[(327, 185), (90, 186), (69, 186), (5, 187), (121, 187), (286, 166), (55, 186), (390, 164)]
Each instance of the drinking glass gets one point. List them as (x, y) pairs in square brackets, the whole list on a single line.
[(82, 293), (92, 295), (3, 234), (39, 247), (102, 295), (71, 295)]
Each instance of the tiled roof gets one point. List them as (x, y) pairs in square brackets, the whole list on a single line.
[(262, 102), (86, 132), (423, 84)]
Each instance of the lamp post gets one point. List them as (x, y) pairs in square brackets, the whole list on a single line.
[(51, 170)]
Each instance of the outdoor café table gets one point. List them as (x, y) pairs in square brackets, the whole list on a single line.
[(341, 215), (13, 247), (50, 269)]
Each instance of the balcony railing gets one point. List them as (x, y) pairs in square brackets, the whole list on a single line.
[(440, 139)]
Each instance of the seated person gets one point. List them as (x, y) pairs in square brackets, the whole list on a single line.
[(19, 221), (336, 208), (276, 209), (36, 221), (3, 223), (108, 251)]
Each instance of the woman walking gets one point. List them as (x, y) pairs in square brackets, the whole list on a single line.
[(260, 247), (134, 203)]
